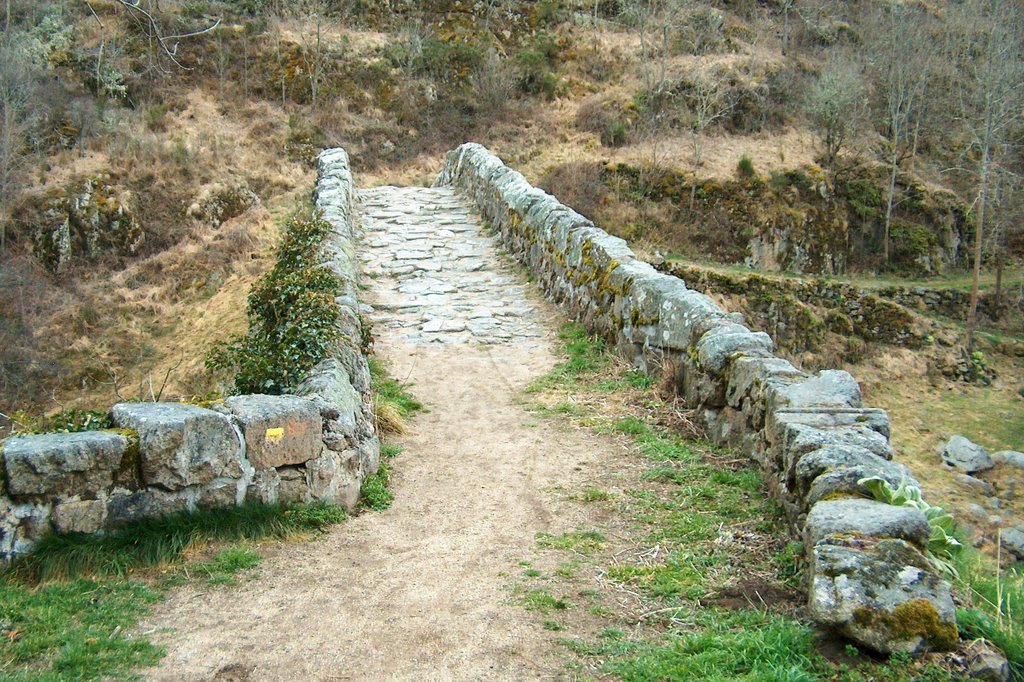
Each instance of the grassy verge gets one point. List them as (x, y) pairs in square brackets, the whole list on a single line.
[(686, 573), (393, 406), (67, 609)]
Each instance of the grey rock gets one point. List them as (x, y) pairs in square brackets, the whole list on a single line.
[(219, 495), (63, 463), (278, 429), (263, 487), (985, 662), (852, 461), (126, 508), (883, 595), (292, 488), (181, 445), (975, 512), (865, 518), (340, 404), (716, 348), (964, 455), (1012, 540), (79, 516), (1010, 458), (975, 484), (830, 388)]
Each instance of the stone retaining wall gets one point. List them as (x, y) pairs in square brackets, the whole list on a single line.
[(317, 445), (868, 576)]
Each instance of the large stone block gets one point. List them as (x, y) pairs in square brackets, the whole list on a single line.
[(830, 388), (145, 504), (719, 346), (865, 518), (63, 463), (883, 595), (278, 429), (181, 445), (837, 468), (329, 385), (79, 516)]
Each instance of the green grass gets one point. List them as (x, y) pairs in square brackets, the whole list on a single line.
[(77, 630), (997, 605), (67, 609), (584, 542), (374, 493), (585, 355), (226, 565), (543, 602), (152, 542)]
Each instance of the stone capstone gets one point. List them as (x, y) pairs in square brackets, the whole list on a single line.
[(881, 594), (278, 429), (965, 455), (181, 445), (63, 463), (865, 518)]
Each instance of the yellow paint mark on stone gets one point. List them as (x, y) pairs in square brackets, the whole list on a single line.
[(275, 434)]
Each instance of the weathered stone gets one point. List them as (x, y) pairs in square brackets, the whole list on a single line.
[(263, 487), (181, 445), (292, 488), (339, 403), (830, 388), (219, 495), (846, 481), (1010, 458), (847, 457), (884, 595), (964, 455), (123, 509), (85, 516), (63, 463), (717, 347), (975, 484), (1012, 540), (865, 518), (278, 429), (986, 663)]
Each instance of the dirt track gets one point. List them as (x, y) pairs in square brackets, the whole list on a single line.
[(424, 590)]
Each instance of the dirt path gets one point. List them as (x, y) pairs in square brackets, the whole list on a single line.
[(422, 591)]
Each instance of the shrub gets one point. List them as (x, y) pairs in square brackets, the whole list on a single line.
[(745, 168), (293, 319)]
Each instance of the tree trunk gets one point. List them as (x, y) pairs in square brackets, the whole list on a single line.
[(893, 169), (972, 310), (998, 311)]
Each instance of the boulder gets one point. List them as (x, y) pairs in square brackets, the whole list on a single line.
[(975, 484), (964, 455), (1010, 458), (146, 504), (842, 465), (865, 518), (1012, 540), (986, 663), (63, 463), (882, 594), (278, 429), (181, 445)]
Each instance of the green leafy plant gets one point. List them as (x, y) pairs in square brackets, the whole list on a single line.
[(293, 319), (942, 546)]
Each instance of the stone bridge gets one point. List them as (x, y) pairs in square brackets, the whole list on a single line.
[(431, 256)]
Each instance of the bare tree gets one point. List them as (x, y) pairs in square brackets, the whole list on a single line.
[(708, 101), (655, 21), (900, 58), (835, 104), (988, 41), (17, 79)]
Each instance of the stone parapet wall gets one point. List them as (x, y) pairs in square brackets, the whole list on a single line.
[(868, 574), (317, 445)]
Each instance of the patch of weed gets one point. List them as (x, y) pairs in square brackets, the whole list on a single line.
[(544, 602), (594, 495), (374, 493), (226, 564), (583, 542), (393, 404)]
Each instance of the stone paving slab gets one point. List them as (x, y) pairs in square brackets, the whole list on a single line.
[(435, 277)]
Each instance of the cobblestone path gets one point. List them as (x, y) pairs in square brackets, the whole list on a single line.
[(435, 276)]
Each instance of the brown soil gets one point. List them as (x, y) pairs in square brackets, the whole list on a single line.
[(424, 589)]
